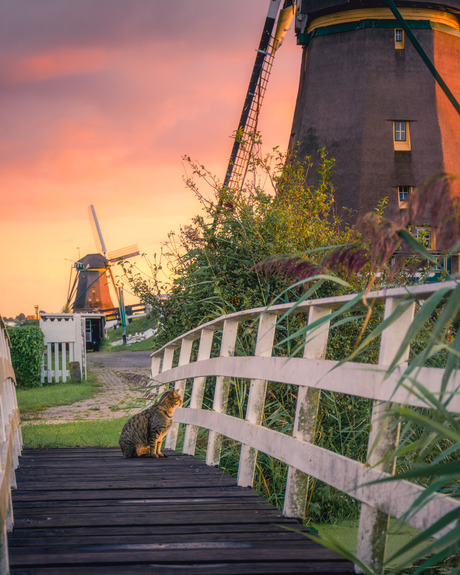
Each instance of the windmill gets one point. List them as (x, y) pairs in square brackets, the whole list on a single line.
[(377, 85), (90, 288)]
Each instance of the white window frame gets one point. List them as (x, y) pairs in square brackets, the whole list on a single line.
[(399, 39), (404, 193), (401, 135)]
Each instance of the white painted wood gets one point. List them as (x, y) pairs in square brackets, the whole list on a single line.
[(10, 444), (49, 362), (379, 296), (227, 349), (65, 372), (256, 399), (3, 416), (184, 359), (358, 379), (383, 439), (56, 362), (306, 415), (165, 364), (349, 476), (196, 400)]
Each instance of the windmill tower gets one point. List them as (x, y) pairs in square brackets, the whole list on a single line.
[(368, 96), (90, 289)]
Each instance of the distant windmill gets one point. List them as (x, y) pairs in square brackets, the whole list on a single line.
[(90, 289)]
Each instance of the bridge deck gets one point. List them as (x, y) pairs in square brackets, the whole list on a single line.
[(88, 511)]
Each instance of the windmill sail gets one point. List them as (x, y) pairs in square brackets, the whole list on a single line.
[(123, 253), (242, 146), (97, 233)]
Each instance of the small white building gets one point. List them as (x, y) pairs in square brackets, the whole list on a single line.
[(67, 338)]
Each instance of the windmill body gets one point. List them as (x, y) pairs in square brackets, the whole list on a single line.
[(367, 95), (93, 285), (90, 289)]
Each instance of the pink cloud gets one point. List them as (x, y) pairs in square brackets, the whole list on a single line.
[(65, 62)]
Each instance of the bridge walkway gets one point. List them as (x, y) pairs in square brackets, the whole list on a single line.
[(87, 511)]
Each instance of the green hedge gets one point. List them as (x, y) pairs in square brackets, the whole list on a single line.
[(27, 345)]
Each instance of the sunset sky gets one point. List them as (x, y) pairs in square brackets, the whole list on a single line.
[(99, 101)]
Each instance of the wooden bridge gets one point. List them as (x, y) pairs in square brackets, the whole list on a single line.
[(85, 511), (76, 511)]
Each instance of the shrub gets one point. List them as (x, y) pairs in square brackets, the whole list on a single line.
[(27, 344)]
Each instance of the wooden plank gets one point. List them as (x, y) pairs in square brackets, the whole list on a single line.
[(270, 568), (72, 521), (349, 476)]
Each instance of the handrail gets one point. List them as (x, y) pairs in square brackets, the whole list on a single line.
[(311, 374), (10, 443)]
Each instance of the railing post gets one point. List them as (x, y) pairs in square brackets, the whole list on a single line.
[(196, 400), (256, 399), (168, 356), (305, 416), (383, 439), (227, 349), (184, 358)]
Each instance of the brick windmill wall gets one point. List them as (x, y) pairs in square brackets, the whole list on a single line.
[(362, 84)]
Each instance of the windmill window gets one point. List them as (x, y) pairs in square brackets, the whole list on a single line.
[(424, 235), (399, 39), (401, 135), (400, 131), (403, 195)]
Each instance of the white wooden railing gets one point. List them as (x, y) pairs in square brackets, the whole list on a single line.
[(10, 444), (311, 374), (65, 342)]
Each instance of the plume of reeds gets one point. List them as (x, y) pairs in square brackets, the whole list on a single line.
[(436, 201)]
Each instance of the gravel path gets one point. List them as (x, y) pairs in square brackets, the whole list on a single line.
[(122, 377)]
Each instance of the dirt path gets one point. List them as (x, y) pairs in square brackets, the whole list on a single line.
[(122, 377)]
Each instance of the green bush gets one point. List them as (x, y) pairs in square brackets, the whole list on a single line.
[(27, 344)]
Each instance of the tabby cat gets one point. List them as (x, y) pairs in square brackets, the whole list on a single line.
[(144, 432)]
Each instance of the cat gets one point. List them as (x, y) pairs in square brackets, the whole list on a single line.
[(144, 432)]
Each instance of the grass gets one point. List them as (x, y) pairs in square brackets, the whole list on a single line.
[(39, 398), (138, 325), (94, 433), (346, 533)]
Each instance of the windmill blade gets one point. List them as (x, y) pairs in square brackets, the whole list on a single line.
[(100, 244), (123, 253), (285, 18)]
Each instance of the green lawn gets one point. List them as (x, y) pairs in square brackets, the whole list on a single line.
[(347, 535), (96, 433), (138, 325), (40, 398)]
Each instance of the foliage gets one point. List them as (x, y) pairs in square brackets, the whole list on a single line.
[(27, 345), (212, 263), (429, 447)]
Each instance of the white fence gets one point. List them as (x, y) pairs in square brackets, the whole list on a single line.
[(10, 444), (311, 374), (65, 341)]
